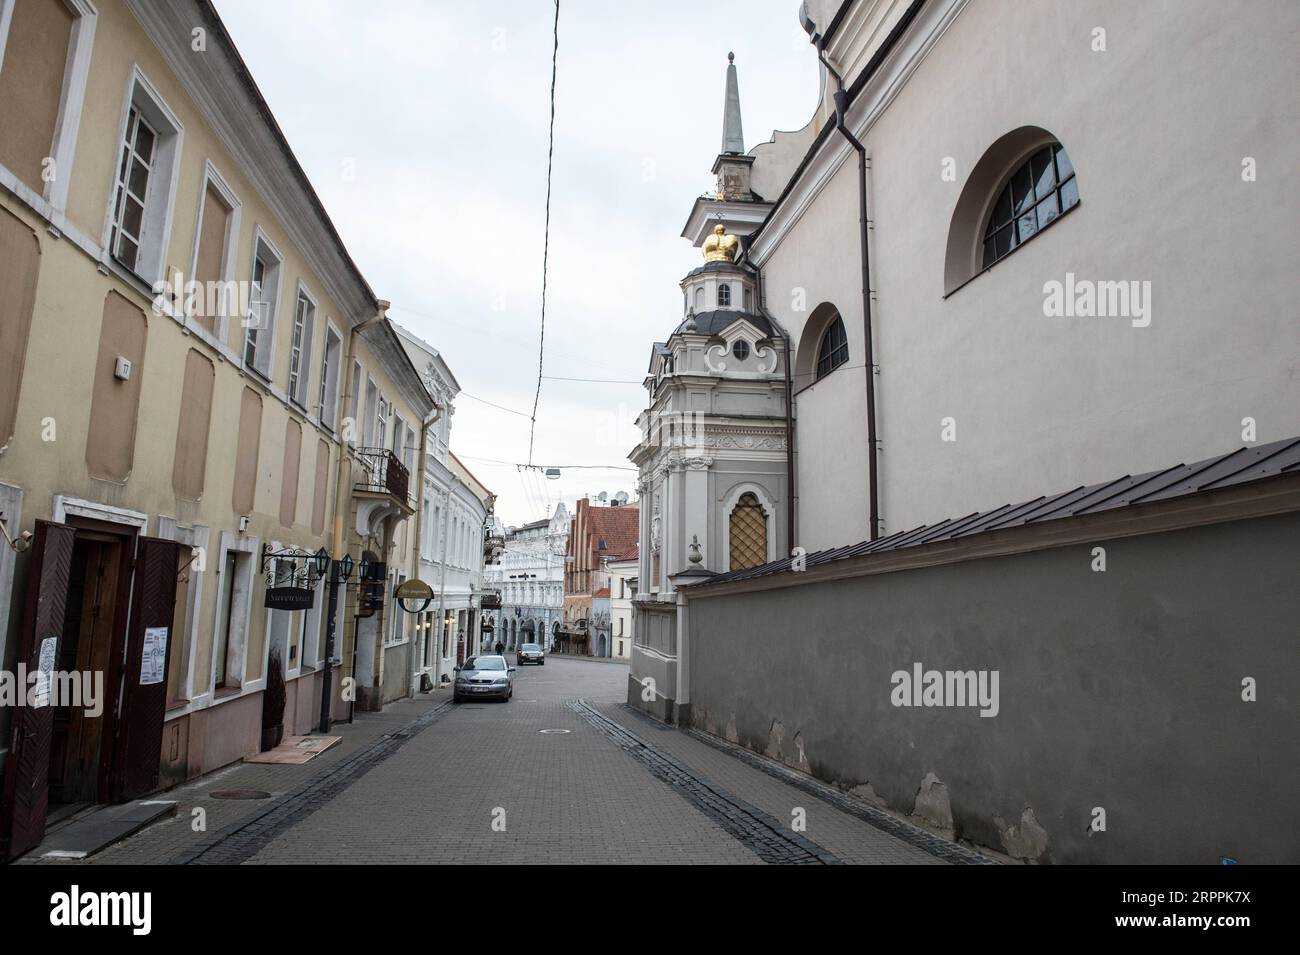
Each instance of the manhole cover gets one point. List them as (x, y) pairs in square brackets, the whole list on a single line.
[(554, 731), (241, 794)]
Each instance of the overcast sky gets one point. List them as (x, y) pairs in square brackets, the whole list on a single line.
[(439, 111)]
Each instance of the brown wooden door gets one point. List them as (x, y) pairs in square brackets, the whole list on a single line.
[(144, 681), (26, 784)]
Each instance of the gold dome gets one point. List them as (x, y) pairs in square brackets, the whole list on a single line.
[(720, 247)]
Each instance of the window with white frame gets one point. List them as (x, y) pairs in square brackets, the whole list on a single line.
[(327, 402), (395, 625), (139, 220), (369, 410), (426, 531), (356, 403), (724, 295), (304, 320), (132, 187), (381, 423), (259, 324)]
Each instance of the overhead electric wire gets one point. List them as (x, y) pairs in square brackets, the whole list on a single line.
[(597, 381), (539, 467), (546, 239), (465, 394)]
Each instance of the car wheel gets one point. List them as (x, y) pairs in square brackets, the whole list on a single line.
[(455, 699)]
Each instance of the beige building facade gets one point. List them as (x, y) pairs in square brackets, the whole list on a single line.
[(170, 451)]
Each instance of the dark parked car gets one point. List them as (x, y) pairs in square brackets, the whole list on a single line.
[(486, 676), (532, 653)]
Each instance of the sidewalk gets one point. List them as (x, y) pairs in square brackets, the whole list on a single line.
[(864, 836), (583, 656), (171, 838)]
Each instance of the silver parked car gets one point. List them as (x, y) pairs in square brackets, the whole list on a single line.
[(486, 676), (532, 653)]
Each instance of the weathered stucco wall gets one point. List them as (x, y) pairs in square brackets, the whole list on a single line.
[(1120, 690)]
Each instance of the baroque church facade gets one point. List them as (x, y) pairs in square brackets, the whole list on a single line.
[(875, 341)]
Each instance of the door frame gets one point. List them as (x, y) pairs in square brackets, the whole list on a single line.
[(126, 525)]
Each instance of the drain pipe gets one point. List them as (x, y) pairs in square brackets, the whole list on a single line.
[(417, 661), (841, 107)]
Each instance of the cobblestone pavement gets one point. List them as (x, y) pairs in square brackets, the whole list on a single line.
[(564, 773)]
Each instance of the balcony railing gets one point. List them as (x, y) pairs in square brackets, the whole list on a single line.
[(383, 473)]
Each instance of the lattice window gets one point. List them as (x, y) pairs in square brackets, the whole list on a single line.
[(748, 533)]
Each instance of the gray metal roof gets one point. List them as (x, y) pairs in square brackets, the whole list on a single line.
[(718, 321), (1243, 466), (720, 265)]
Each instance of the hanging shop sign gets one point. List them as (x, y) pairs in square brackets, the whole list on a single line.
[(413, 595), (289, 598)]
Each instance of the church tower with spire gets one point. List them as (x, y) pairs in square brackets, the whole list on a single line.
[(712, 461), (733, 204)]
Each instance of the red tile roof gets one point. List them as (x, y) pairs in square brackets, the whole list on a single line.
[(618, 527)]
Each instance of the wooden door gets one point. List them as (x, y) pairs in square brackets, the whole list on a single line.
[(150, 640), (26, 796)]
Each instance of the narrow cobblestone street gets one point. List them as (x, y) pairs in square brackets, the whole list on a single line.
[(541, 779)]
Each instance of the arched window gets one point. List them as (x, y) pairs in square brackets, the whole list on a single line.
[(724, 295), (699, 299), (834, 349), (1023, 183), (747, 533), (1040, 190)]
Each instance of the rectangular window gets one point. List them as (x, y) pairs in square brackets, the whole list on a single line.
[(148, 154), (304, 320), (259, 324), (356, 403), (327, 408), (132, 189), (381, 423), (371, 405)]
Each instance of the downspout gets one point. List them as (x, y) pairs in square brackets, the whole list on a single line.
[(442, 593), (841, 107), (342, 482), (430, 419)]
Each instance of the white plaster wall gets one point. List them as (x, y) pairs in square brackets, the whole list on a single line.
[(818, 263), (1156, 127)]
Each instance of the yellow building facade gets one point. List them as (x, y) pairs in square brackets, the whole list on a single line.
[(198, 389)]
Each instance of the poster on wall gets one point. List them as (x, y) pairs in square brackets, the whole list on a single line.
[(44, 672), (153, 662)]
